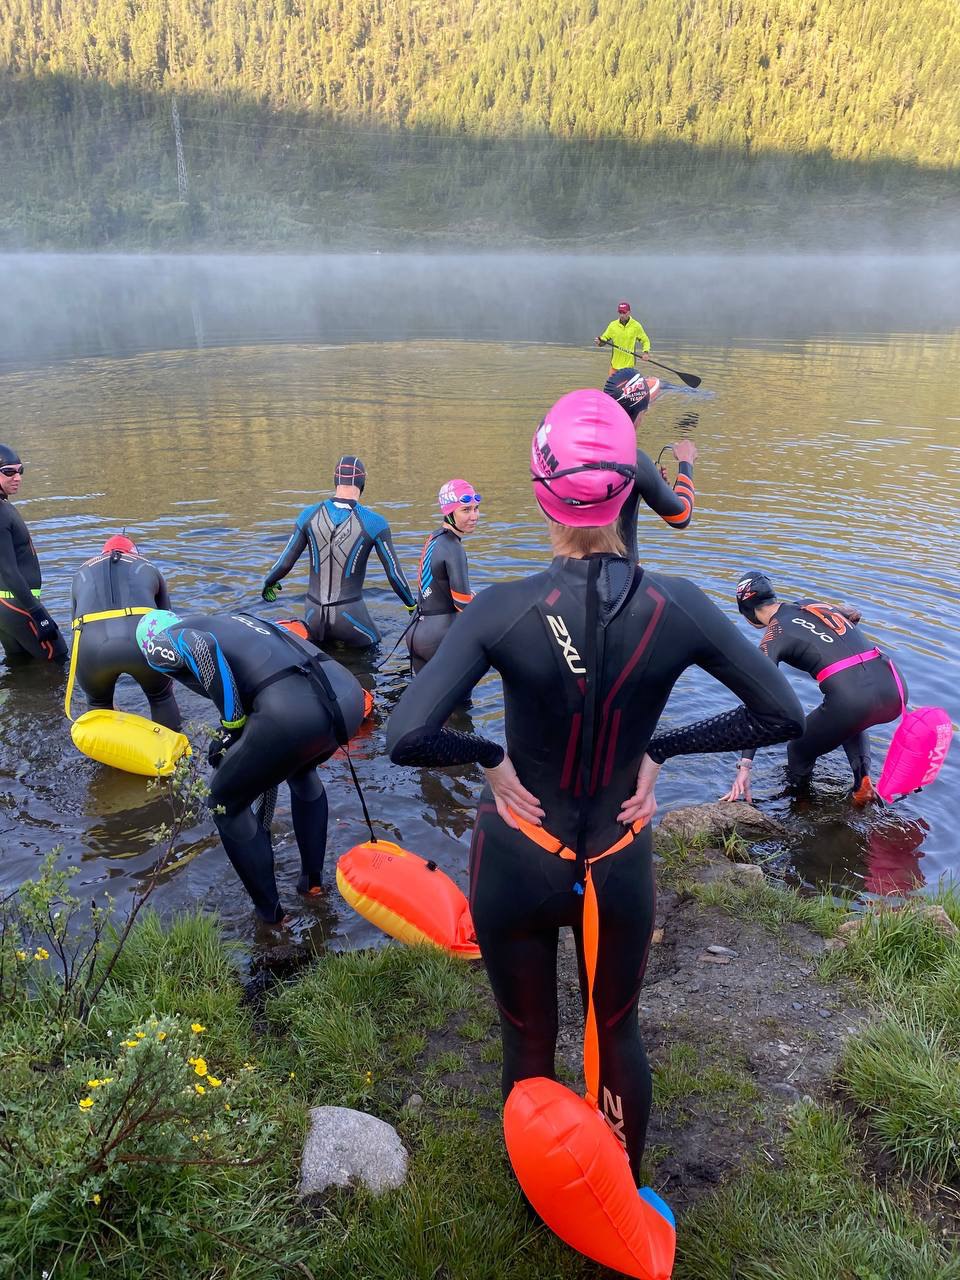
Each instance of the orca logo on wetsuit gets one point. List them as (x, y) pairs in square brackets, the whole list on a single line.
[(810, 626), (567, 648), (155, 649)]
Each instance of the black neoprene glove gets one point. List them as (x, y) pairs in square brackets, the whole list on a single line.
[(47, 629), (219, 744)]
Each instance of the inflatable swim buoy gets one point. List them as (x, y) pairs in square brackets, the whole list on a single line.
[(407, 897), (916, 752), (129, 742), (576, 1175)]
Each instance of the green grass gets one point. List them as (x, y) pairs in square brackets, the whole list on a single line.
[(815, 1216), (771, 906)]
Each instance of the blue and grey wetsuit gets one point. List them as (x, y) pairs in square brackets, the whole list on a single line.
[(341, 534)]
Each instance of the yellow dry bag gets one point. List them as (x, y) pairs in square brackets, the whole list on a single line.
[(120, 738)]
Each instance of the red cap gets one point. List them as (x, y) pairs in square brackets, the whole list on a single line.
[(624, 308), (119, 542)]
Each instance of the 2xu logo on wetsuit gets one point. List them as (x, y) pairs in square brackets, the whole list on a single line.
[(567, 647)]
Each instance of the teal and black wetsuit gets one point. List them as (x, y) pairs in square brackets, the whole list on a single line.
[(26, 629), (588, 652), (286, 708), (341, 534)]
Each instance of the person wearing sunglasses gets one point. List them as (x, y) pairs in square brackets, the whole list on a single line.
[(444, 584), (340, 534), (26, 629), (622, 336), (588, 651)]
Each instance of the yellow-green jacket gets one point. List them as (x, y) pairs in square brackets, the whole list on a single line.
[(625, 336)]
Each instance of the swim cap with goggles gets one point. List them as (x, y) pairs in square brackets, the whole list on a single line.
[(350, 470), (120, 542), (630, 390), (457, 493), (754, 589), (583, 460), (10, 458)]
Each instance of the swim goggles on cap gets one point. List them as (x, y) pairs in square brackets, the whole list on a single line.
[(466, 498), (17, 470), (629, 473)]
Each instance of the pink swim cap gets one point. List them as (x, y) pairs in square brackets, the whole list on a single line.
[(452, 495), (583, 459)]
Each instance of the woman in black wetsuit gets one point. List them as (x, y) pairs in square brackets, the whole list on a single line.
[(588, 651), (26, 629), (444, 585)]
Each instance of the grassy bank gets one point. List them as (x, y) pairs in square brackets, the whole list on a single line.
[(158, 1132)]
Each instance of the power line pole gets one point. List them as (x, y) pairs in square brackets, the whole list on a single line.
[(183, 182)]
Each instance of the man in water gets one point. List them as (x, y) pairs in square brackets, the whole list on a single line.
[(623, 334), (444, 587), (26, 629), (341, 534), (110, 594), (860, 686)]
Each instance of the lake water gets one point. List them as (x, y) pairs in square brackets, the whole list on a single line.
[(830, 457)]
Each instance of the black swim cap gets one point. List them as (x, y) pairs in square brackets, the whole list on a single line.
[(753, 589), (629, 388), (8, 457), (350, 470)]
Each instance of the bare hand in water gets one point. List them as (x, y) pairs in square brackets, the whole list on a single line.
[(642, 805), (741, 786), (509, 793)]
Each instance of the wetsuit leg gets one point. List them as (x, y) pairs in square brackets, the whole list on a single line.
[(520, 897), (424, 639), (19, 636), (288, 732), (164, 708), (857, 750), (351, 624), (13, 650), (98, 680), (308, 805), (855, 701), (315, 616)]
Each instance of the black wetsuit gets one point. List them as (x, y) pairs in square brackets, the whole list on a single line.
[(588, 652), (26, 629), (674, 506), (811, 637), (292, 706), (108, 647), (341, 534), (444, 590)]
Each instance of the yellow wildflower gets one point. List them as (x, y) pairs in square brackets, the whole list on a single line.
[(214, 1082), (368, 1078), (227, 1107), (248, 1066), (107, 1080), (41, 953), (129, 1044), (95, 1197), (85, 1104), (141, 1035), (21, 955), (199, 1088), (200, 1066), (94, 1084), (194, 1137), (197, 1027), (161, 1036), (293, 1075), (205, 1136)]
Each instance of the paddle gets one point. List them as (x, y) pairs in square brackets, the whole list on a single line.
[(690, 379)]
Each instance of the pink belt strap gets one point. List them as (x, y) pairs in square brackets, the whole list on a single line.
[(867, 656)]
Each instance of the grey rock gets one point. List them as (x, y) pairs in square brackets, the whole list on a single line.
[(784, 1090), (824, 1013), (715, 949), (743, 872), (414, 1102), (714, 821), (796, 1005), (346, 1147)]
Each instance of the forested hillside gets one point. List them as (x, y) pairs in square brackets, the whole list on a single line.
[(311, 119)]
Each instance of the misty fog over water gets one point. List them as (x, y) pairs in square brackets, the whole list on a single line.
[(55, 306)]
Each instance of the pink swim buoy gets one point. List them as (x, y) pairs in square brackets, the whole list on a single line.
[(916, 752)]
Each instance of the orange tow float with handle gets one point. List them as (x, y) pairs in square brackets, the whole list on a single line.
[(567, 1158), (407, 897)]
